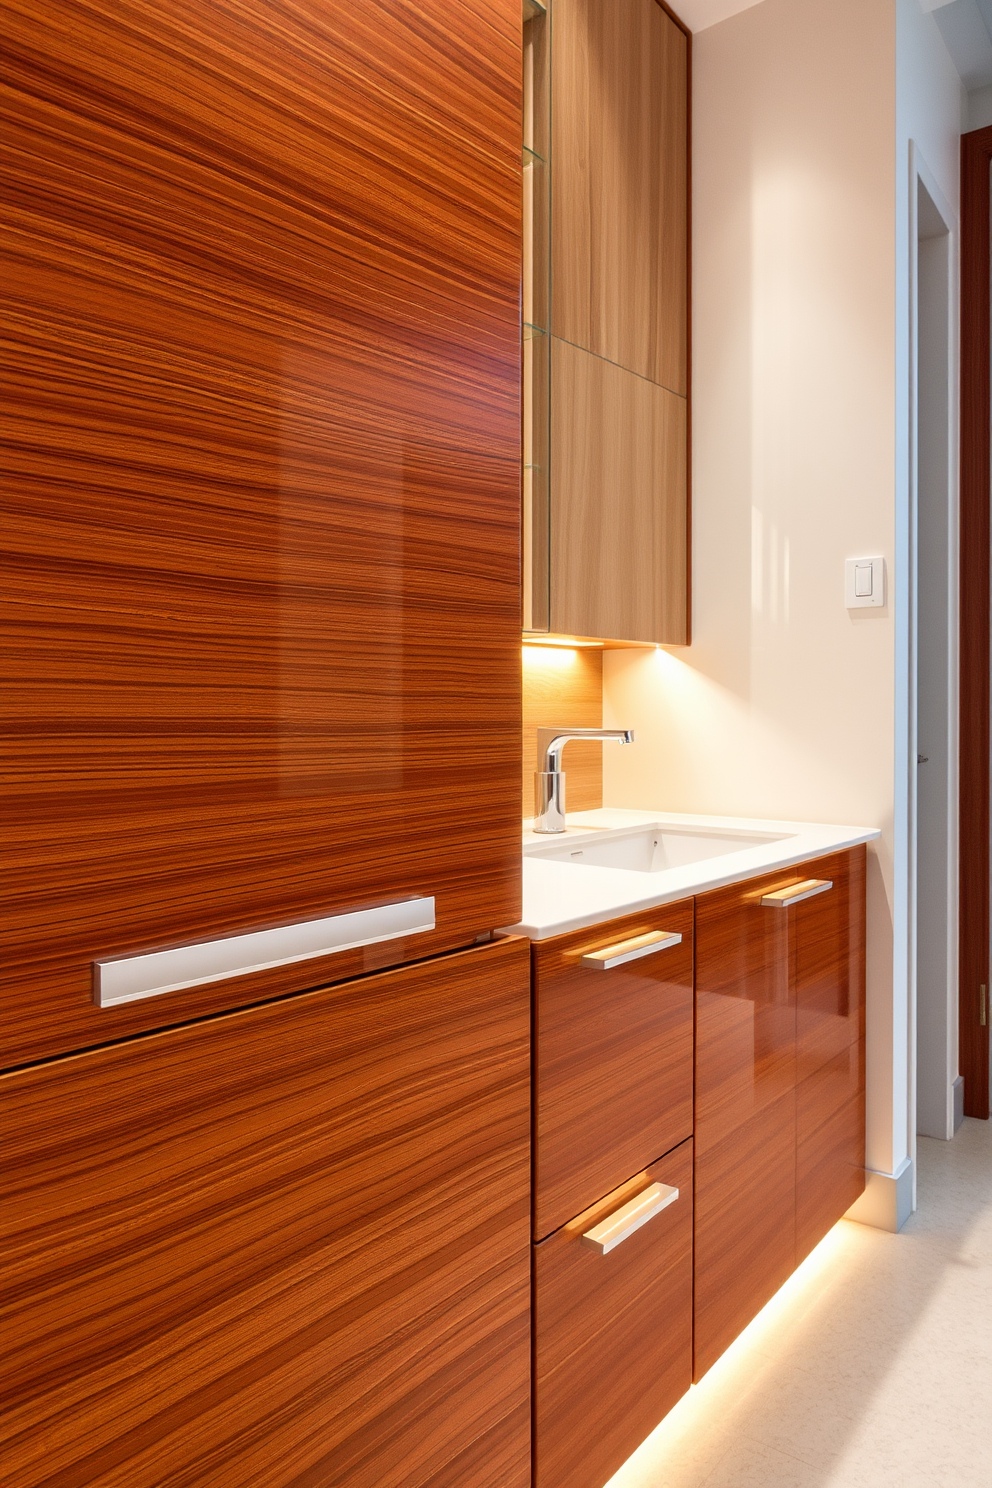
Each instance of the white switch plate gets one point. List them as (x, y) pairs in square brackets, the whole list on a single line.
[(861, 575)]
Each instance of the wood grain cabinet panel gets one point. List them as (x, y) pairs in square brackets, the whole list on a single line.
[(613, 1333), (745, 1008), (618, 503), (612, 1061), (288, 1245), (262, 478), (619, 157), (745, 1125), (780, 1121), (830, 1145), (745, 1226), (829, 932)]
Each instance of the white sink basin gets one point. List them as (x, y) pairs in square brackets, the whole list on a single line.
[(649, 849)]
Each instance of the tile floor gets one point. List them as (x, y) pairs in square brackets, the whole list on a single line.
[(872, 1367)]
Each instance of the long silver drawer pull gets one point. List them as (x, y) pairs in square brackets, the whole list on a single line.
[(631, 950), (130, 978), (609, 1233), (808, 889)]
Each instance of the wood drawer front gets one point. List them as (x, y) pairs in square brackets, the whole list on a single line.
[(613, 1333), (830, 1145), (284, 1246), (829, 934), (612, 1061)]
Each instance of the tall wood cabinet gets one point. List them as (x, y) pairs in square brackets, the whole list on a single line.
[(262, 442), (779, 1124), (286, 1245), (612, 546)]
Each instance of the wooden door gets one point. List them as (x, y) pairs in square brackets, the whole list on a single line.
[(829, 962), (287, 1245), (745, 1123), (262, 427), (974, 981), (612, 1333), (612, 1061)]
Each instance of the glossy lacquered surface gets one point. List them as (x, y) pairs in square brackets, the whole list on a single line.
[(612, 1062), (612, 1333), (262, 426), (285, 1246), (779, 1117)]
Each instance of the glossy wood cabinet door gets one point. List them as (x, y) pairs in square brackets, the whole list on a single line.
[(262, 445), (830, 1057), (612, 1061), (618, 511), (289, 1245), (745, 1128), (619, 161), (780, 1114), (612, 1333)]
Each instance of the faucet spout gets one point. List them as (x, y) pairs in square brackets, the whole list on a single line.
[(550, 806)]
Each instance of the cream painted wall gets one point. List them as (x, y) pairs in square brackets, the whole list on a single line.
[(787, 704), (784, 704)]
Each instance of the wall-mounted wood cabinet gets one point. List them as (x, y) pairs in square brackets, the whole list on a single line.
[(606, 375)]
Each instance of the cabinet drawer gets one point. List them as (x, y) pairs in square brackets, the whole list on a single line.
[(612, 1060), (613, 1332)]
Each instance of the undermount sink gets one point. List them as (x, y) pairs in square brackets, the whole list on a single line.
[(649, 849)]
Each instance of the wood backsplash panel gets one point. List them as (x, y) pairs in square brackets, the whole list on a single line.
[(262, 429), (564, 688)]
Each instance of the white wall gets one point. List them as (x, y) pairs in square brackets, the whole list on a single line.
[(784, 705), (930, 114)]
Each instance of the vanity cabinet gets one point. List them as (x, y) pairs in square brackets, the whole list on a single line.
[(779, 1082), (612, 1056), (613, 1331), (286, 1245)]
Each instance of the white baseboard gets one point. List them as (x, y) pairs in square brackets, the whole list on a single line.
[(957, 1090), (887, 1201)]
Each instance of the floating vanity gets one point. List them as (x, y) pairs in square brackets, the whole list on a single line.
[(698, 1066)]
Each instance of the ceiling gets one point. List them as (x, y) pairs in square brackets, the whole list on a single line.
[(965, 25)]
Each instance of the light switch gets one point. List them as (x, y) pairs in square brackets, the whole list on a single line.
[(864, 582)]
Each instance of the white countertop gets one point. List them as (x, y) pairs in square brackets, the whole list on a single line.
[(559, 897)]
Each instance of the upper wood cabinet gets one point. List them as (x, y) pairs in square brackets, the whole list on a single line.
[(287, 1245), (262, 478), (619, 166), (606, 360)]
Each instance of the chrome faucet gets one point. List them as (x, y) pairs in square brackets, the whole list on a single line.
[(550, 815)]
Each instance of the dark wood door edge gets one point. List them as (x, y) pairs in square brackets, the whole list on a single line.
[(976, 155)]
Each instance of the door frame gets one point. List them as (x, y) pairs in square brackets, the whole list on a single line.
[(974, 762)]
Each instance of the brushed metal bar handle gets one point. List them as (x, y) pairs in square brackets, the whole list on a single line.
[(131, 978), (795, 893), (620, 1225), (631, 950)]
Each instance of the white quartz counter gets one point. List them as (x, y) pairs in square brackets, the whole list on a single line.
[(563, 896)]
